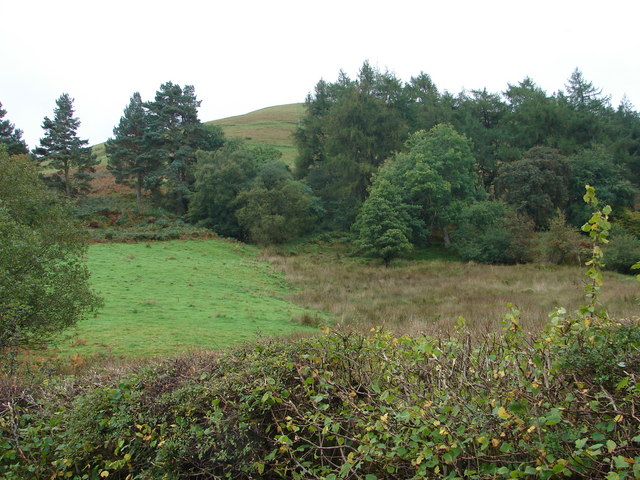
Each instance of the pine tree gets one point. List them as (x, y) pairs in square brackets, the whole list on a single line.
[(10, 136), (61, 148), (175, 134), (130, 160)]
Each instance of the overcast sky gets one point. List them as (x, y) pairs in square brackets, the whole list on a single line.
[(245, 55)]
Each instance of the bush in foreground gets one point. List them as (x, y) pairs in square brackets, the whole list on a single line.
[(347, 406)]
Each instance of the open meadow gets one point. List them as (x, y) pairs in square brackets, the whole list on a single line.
[(162, 298)]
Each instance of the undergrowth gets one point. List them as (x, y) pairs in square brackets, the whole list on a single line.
[(344, 406)]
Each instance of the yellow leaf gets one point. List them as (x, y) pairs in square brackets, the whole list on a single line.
[(104, 474), (502, 413)]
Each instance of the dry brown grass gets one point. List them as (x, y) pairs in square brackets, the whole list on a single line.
[(104, 184), (419, 297)]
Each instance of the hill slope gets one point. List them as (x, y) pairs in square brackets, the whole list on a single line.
[(271, 126)]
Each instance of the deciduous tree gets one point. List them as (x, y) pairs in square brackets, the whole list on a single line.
[(44, 282)]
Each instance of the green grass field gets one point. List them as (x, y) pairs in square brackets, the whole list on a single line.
[(271, 126), (165, 297)]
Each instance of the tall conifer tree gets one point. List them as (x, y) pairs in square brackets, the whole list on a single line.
[(130, 160), (62, 149)]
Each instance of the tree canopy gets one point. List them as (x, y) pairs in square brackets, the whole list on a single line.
[(44, 282)]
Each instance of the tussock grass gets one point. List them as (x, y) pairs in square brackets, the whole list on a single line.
[(427, 297)]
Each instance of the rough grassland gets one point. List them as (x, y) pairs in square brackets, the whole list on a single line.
[(163, 298), (427, 296), (271, 126)]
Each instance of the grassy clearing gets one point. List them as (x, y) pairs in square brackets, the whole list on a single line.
[(271, 126), (427, 295), (163, 298)]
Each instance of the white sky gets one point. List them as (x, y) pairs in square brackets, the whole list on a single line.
[(242, 55)]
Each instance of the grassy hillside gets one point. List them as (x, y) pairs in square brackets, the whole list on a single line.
[(162, 298), (272, 126)]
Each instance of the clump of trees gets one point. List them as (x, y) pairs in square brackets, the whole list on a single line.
[(532, 151), (44, 282), (399, 164), (155, 143), (250, 194)]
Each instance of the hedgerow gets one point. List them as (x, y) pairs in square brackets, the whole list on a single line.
[(348, 406)]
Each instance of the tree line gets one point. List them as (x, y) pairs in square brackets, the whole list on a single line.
[(436, 162), (404, 164)]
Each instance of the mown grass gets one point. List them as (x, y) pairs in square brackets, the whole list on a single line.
[(166, 297), (272, 126), (428, 294)]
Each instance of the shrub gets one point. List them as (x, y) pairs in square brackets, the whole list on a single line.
[(490, 232), (622, 251), (344, 406), (561, 244)]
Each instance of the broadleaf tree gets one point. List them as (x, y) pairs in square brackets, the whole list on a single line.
[(383, 226), (44, 281)]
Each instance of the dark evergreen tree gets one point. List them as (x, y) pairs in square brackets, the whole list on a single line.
[(596, 167), (61, 148), (11, 137), (350, 127), (175, 134), (130, 159), (537, 185), (478, 115), (533, 118)]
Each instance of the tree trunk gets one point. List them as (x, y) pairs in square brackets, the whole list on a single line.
[(67, 186), (139, 189), (445, 235)]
